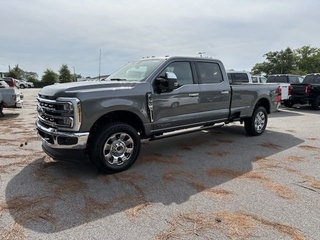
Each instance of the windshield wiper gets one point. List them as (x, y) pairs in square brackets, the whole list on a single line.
[(118, 79)]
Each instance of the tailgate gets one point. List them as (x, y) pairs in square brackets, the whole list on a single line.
[(299, 89)]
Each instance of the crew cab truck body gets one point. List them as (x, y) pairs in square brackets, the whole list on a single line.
[(146, 99), (307, 92)]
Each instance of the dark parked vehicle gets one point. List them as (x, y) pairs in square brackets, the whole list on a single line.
[(287, 79), (146, 99), (307, 92)]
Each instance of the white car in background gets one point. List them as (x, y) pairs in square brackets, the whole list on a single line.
[(21, 84), (30, 84)]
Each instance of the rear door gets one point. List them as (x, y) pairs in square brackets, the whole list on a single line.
[(214, 92)]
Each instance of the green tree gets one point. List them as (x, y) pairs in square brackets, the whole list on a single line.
[(65, 74), (30, 75), (276, 62), (308, 59), (15, 72), (50, 77)]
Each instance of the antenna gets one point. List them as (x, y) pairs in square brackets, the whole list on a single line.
[(99, 63)]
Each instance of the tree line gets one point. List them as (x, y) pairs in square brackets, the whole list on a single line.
[(299, 61), (49, 76)]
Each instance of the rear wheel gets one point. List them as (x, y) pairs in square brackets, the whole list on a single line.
[(316, 103), (257, 123), (115, 147), (288, 103), (22, 86)]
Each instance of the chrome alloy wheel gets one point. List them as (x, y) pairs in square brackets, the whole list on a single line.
[(259, 121), (118, 148)]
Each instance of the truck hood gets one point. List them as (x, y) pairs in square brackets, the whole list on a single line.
[(71, 89)]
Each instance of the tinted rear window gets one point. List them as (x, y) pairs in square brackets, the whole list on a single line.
[(277, 79), (240, 77), (312, 79)]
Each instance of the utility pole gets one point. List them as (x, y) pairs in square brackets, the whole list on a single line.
[(99, 63), (74, 74)]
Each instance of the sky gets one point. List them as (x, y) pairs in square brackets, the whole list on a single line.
[(99, 36)]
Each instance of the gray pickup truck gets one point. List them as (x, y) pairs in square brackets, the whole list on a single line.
[(104, 121)]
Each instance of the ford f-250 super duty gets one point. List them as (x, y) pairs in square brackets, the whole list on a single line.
[(307, 92), (105, 121)]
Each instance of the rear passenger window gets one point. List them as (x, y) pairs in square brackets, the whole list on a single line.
[(209, 72)]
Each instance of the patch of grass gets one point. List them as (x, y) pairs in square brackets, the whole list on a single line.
[(223, 172), (15, 232), (293, 158), (258, 158), (255, 175), (235, 225), (218, 153), (225, 140), (280, 191), (94, 207), (159, 158), (308, 147), (270, 145), (174, 174), (133, 212), (31, 209)]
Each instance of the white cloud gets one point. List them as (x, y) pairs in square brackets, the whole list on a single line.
[(41, 34)]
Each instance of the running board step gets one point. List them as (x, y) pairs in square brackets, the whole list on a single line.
[(182, 132)]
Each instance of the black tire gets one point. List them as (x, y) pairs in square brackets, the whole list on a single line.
[(115, 147), (22, 86), (316, 103), (257, 123), (288, 103)]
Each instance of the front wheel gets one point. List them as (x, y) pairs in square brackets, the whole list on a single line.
[(257, 123), (115, 147), (316, 103), (22, 86)]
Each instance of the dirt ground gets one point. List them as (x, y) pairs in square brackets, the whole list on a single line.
[(214, 184)]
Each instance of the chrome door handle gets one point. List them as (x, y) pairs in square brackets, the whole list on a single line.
[(193, 94), (224, 92)]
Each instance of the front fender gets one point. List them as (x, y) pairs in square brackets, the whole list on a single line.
[(94, 110)]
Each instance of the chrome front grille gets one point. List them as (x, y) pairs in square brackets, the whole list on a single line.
[(62, 113)]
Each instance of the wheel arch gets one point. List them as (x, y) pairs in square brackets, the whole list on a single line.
[(263, 102), (124, 116)]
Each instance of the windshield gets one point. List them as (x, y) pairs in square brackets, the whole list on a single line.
[(136, 71)]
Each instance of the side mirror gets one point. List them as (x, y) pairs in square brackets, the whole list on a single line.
[(168, 83)]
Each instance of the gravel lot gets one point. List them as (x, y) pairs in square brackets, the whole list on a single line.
[(215, 184)]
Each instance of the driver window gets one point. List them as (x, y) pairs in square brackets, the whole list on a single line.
[(182, 70)]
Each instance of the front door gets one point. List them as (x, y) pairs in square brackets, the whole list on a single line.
[(181, 106)]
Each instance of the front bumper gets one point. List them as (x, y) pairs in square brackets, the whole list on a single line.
[(61, 140)]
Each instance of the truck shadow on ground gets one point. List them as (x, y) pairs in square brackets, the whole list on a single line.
[(9, 116), (50, 197)]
